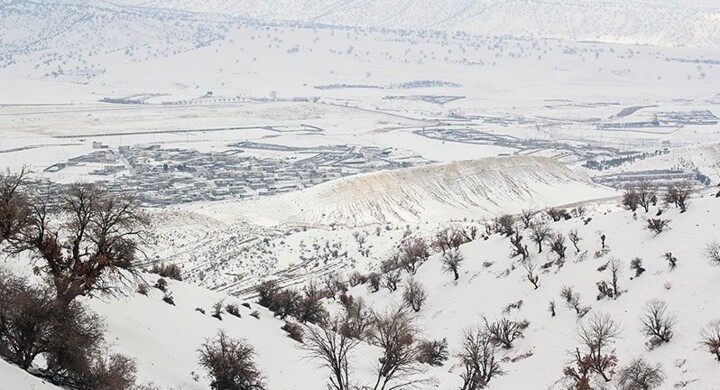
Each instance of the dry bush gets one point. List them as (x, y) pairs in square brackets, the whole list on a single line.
[(391, 279), (433, 352), (657, 225), (414, 295), (374, 280), (230, 363), (169, 270), (294, 330), (413, 254), (505, 225), (636, 265), (233, 310), (266, 291), (678, 194), (505, 331), (657, 323), (558, 214)]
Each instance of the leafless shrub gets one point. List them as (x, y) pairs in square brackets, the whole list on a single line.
[(712, 252), (413, 254), (294, 331), (678, 194), (452, 261), (672, 260), (639, 375), (575, 239), (631, 199), (233, 310), (505, 225), (357, 319), (142, 289), (557, 245), (657, 323), (573, 301), (504, 331), (230, 363), (266, 291), (217, 310), (374, 280), (636, 265), (478, 360), (710, 335), (169, 270), (391, 279), (657, 225), (433, 352), (531, 275), (414, 295), (540, 232), (518, 249), (356, 278), (161, 284), (551, 308), (168, 298), (526, 216), (334, 284), (558, 214)]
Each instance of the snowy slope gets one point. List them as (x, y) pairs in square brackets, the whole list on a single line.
[(163, 338), (440, 192), (658, 22)]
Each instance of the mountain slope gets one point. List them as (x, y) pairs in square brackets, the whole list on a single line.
[(659, 22), (473, 189)]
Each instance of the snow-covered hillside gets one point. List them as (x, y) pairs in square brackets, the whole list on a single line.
[(164, 338), (461, 189), (658, 22)]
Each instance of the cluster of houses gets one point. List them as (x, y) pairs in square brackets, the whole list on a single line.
[(164, 176)]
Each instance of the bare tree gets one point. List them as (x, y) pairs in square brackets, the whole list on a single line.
[(597, 335), (391, 279), (452, 261), (526, 216), (15, 212), (505, 225), (615, 272), (657, 323), (518, 249), (573, 301), (710, 335), (647, 195), (357, 320), (333, 348), (395, 333), (478, 359), (678, 194), (102, 230), (413, 254), (631, 198), (230, 364), (575, 239), (639, 375), (531, 275), (414, 295), (540, 232), (505, 331), (557, 245)]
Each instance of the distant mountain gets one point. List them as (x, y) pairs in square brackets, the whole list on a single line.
[(654, 22)]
